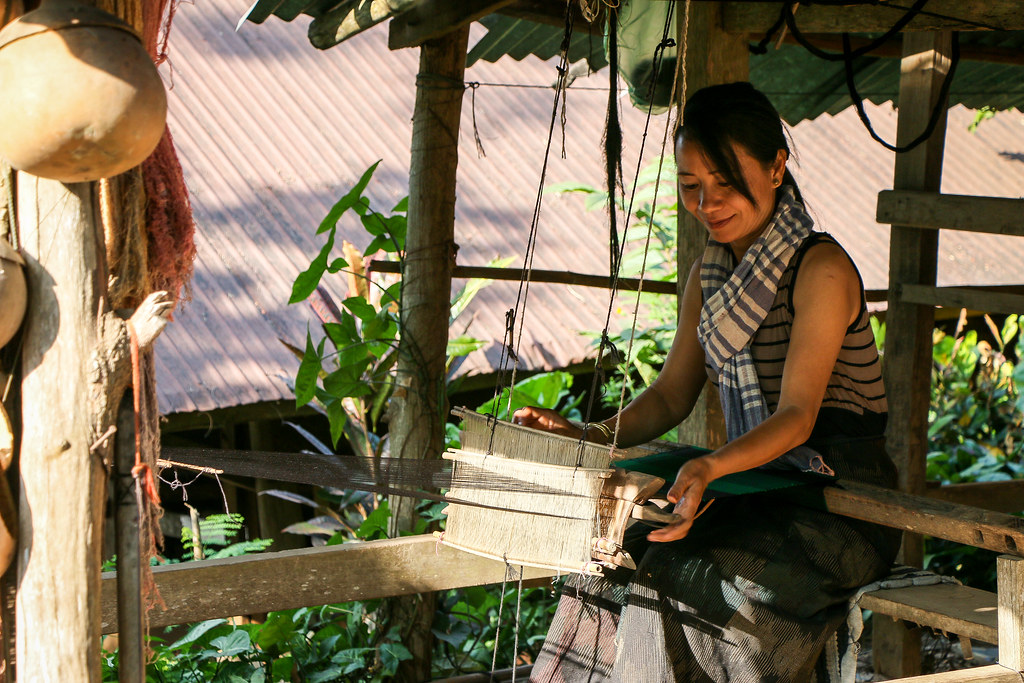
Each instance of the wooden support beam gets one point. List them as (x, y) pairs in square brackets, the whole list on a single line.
[(418, 406), (63, 481), (946, 607), (352, 17), (553, 14), (920, 515), (195, 591), (713, 56), (1010, 591), (921, 209), (939, 15), (999, 496), (626, 284), (431, 19), (959, 297), (831, 42)]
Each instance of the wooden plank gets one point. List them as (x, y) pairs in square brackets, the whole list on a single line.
[(553, 14), (127, 497), (1010, 582), (975, 299), (628, 284), (947, 607), (988, 674), (939, 15), (893, 47), (194, 591), (918, 514), (431, 19), (1000, 496), (920, 209)]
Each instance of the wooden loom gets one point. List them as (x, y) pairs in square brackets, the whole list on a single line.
[(573, 522)]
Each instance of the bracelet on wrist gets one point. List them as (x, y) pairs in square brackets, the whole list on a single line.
[(603, 429)]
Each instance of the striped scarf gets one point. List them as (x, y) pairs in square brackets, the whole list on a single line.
[(736, 301)]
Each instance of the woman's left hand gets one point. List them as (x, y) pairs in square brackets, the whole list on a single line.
[(686, 493)]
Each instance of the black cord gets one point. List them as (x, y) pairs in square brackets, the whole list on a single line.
[(940, 104), (790, 19)]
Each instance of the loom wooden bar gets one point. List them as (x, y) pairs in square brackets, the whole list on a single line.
[(545, 276), (949, 15), (130, 610), (947, 607), (961, 297), (986, 674), (1010, 586), (920, 515), (920, 209), (429, 19), (195, 591), (1000, 496)]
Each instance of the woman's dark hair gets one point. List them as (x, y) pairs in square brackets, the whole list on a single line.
[(719, 115)]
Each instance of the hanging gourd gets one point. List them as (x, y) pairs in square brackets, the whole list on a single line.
[(80, 99), (13, 294)]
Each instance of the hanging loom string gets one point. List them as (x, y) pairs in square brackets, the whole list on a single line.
[(616, 259), (524, 282)]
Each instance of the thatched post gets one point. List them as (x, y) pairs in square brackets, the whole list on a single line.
[(419, 407), (75, 367), (712, 57)]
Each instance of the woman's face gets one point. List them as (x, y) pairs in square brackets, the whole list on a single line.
[(730, 218)]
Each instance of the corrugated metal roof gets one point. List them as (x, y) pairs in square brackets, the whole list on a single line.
[(271, 131)]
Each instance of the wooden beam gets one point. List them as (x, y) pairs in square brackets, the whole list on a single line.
[(1010, 587), (918, 514), (959, 297), (938, 15), (920, 209), (431, 19), (195, 591), (627, 284), (986, 674), (127, 497), (352, 17), (553, 14), (893, 47), (947, 607), (999, 496)]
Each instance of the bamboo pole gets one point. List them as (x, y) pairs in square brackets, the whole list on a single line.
[(418, 408), (130, 615)]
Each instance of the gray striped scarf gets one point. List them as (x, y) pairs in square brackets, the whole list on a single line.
[(736, 302)]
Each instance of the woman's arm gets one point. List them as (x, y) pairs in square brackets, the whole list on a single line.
[(826, 301), (664, 404)]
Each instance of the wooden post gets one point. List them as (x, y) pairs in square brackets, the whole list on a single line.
[(75, 365), (1010, 596), (62, 478), (712, 57), (130, 610), (419, 407), (908, 339)]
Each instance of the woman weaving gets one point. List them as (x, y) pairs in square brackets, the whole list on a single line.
[(775, 314)]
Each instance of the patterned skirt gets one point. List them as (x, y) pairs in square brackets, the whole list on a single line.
[(750, 595)]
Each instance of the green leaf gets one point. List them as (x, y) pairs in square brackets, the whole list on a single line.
[(391, 654), (336, 419), (376, 523), (336, 265), (360, 308), (233, 644), (196, 632), (309, 372), (464, 345), (344, 332), (331, 673), (347, 201), (402, 205), (307, 281)]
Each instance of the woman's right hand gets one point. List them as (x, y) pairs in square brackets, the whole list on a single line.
[(546, 420)]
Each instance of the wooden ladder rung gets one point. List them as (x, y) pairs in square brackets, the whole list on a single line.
[(995, 673), (947, 607)]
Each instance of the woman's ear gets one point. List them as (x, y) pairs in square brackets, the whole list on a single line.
[(778, 167)]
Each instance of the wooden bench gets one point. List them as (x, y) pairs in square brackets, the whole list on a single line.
[(947, 607)]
